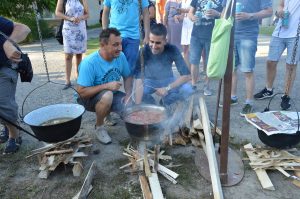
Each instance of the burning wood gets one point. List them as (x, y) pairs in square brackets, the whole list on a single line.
[(66, 152)]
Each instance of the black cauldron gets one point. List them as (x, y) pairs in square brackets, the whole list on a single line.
[(55, 132)]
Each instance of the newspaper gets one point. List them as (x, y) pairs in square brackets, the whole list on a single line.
[(274, 122)]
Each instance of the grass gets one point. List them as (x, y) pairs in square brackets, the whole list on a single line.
[(97, 25), (266, 30), (92, 45)]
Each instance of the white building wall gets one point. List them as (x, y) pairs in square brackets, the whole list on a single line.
[(268, 21), (94, 10)]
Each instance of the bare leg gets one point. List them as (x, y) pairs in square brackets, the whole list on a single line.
[(68, 60), (271, 73), (290, 75), (78, 60), (13, 132), (249, 85), (203, 55), (195, 73), (186, 55), (103, 107), (234, 83)]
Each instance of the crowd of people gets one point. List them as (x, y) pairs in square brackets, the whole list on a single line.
[(175, 32)]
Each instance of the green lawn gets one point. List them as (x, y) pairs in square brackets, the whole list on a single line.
[(266, 30), (92, 45)]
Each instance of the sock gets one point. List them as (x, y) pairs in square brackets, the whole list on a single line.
[(269, 89), (234, 97), (249, 101)]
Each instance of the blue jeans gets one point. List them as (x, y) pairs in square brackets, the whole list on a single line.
[(179, 93), (245, 50), (196, 47), (278, 45), (130, 48)]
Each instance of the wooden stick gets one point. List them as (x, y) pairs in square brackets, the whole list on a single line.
[(59, 152), (156, 157), (168, 177), (146, 163), (261, 173), (210, 153), (145, 187), (164, 169)]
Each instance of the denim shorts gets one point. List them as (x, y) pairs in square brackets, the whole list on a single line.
[(90, 103), (196, 47), (245, 50), (278, 45), (131, 50)]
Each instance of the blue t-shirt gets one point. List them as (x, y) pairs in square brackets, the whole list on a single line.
[(248, 29), (7, 27), (124, 15), (204, 29), (159, 67), (94, 70)]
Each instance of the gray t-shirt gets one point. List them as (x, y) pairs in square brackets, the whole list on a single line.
[(248, 29)]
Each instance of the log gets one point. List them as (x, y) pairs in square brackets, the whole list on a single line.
[(145, 187), (57, 152), (210, 153), (261, 173), (84, 191), (155, 187)]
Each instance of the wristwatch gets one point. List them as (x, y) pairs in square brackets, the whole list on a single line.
[(168, 87), (251, 16)]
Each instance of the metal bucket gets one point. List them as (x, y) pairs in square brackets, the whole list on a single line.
[(145, 132), (55, 132)]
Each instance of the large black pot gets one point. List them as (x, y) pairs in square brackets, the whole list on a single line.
[(55, 132), (145, 132), (280, 140)]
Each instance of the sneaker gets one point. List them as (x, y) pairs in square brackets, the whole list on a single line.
[(109, 121), (246, 110), (263, 94), (12, 146), (102, 135), (285, 102), (67, 86), (232, 102), (207, 91), (4, 135)]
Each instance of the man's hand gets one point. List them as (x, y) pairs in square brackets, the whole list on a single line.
[(146, 40), (211, 13), (113, 86), (279, 13), (161, 91), (127, 100), (11, 52), (241, 16)]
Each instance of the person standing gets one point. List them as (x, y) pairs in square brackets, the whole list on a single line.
[(160, 10), (173, 21), (204, 21), (245, 45), (74, 32), (186, 32), (8, 81), (283, 37)]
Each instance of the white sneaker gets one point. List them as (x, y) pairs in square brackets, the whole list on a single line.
[(109, 121), (102, 135), (207, 91)]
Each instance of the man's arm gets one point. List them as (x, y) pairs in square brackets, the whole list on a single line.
[(128, 89), (88, 92), (253, 16), (280, 12), (179, 81), (105, 17), (19, 33), (139, 90), (146, 19)]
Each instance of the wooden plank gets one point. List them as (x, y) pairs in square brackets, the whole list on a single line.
[(145, 187), (84, 191), (146, 163), (210, 152), (44, 174), (155, 186), (79, 155), (261, 173), (168, 177), (156, 157), (77, 168), (164, 169)]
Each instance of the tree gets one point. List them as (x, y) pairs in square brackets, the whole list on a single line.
[(18, 9)]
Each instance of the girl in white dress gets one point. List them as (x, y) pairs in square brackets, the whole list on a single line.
[(187, 27), (74, 32)]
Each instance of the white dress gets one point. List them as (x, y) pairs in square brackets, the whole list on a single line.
[(75, 36), (187, 25)]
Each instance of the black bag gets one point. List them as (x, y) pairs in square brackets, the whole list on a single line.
[(58, 34), (25, 68)]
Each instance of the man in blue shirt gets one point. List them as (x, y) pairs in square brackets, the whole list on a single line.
[(245, 44), (157, 75), (99, 80), (8, 80)]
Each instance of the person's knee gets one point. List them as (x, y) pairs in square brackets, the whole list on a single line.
[(248, 75), (68, 57), (107, 97)]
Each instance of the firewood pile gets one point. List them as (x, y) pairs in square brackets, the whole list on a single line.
[(272, 159), (146, 165), (69, 152)]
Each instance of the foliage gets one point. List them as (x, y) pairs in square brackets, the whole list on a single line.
[(266, 30), (18, 9)]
